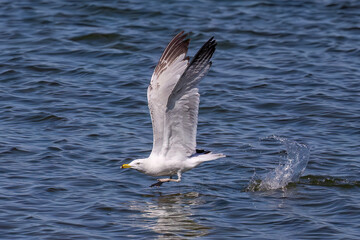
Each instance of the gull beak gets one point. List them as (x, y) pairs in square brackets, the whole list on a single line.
[(126, 166)]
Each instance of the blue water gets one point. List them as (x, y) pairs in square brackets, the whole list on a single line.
[(281, 101)]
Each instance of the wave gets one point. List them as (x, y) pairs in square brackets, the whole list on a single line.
[(328, 181)]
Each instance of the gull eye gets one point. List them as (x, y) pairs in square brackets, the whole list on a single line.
[(138, 163)]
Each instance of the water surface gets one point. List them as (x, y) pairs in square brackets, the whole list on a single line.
[(73, 80)]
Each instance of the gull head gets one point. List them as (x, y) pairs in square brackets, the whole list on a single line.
[(137, 164)]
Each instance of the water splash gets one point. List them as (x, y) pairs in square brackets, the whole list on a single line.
[(296, 161)]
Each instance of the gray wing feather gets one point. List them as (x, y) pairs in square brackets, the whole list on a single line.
[(170, 67), (183, 105), (174, 98)]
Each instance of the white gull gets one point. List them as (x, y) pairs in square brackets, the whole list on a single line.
[(173, 99)]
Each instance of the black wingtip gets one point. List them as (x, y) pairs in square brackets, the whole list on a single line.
[(202, 151), (212, 42), (206, 51)]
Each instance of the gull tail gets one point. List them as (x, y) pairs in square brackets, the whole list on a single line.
[(203, 156), (212, 156)]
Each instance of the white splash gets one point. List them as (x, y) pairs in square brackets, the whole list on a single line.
[(296, 162)]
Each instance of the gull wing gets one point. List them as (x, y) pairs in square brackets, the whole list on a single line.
[(182, 106), (168, 71)]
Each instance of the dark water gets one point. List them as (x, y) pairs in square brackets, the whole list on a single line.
[(285, 85)]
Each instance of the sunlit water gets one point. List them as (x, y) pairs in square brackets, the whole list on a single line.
[(73, 80)]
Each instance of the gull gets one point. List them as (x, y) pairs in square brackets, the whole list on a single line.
[(173, 99)]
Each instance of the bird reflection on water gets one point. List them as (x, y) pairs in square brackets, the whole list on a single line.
[(173, 214)]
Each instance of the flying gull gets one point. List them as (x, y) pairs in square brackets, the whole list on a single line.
[(173, 99)]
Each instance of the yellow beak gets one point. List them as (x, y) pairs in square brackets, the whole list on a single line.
[(125, 166)]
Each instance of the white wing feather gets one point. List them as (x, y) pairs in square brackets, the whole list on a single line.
[(174, 100), (169, 69)]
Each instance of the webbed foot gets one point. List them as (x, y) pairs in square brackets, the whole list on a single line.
[(157, 184)]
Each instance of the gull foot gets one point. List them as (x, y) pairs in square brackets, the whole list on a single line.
[(157, 184)]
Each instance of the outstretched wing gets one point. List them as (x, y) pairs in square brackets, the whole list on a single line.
[(182, 106), (173, 97), (168, 71)]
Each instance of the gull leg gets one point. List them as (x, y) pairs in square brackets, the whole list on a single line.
[(162, 180), (170, 179)]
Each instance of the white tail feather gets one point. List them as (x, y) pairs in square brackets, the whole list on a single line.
[(207, 157)]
